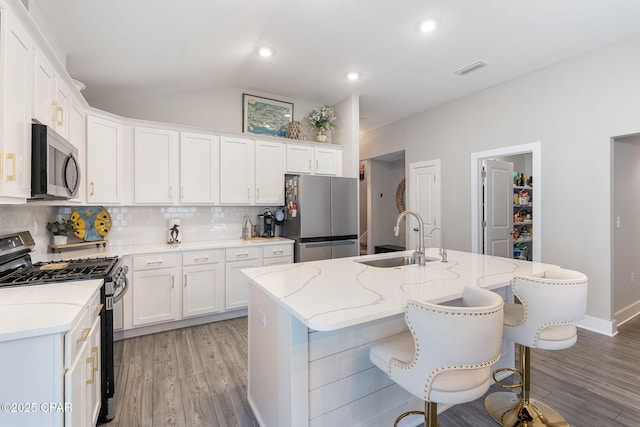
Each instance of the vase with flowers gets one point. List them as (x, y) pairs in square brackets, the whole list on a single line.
[(60, 230), (322, 121)]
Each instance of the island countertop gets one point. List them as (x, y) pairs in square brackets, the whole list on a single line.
[(333, 294)]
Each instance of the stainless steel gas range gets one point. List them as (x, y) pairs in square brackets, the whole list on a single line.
[(17, 269)]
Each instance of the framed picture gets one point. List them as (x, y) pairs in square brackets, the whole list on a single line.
[(264, 116)]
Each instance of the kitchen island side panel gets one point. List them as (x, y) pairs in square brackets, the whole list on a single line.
[(277, 377), (300, 377)]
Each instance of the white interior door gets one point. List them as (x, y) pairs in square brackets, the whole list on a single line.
[(498, 208), (424, 180)]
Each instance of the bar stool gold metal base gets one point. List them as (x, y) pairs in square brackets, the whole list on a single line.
[(508, 410)]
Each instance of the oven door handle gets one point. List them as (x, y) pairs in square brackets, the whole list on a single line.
[(118, 296)]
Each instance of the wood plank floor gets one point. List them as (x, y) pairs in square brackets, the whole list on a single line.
[(197, 377)]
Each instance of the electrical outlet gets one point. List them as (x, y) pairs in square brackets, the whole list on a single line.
[(633, 278), (618, 221), (262, 318)]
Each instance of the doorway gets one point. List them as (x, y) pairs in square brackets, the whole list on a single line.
[(526, 160), (380, 178), (625, 229)]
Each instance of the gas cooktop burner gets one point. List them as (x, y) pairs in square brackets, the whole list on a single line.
[(66, 270)]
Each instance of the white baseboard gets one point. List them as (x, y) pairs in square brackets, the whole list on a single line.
[(605, 327), (627, 313)]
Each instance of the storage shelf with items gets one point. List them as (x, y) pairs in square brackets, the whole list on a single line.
[(522, 217)]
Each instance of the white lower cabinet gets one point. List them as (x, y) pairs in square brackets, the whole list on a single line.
[(277, 254), (156, 290), (180, 286), (236, 283), (203, 282), (54, 379), (82, 381)]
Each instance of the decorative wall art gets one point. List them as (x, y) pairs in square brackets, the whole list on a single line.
[(264, 116)]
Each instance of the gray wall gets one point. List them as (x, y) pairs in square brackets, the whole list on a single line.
[(574, 108), (385, 177)]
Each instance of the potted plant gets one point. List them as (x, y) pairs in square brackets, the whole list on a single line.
[(322, 121), (60, 229)]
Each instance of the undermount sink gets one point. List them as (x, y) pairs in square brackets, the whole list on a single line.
[(398, 261)]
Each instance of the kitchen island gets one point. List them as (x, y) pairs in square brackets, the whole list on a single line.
[(311, 326)]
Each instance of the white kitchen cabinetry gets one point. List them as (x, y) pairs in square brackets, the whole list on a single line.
[(77, 138), (203, 282), (82, 380), (17, 91), (327, 161), (156, 289), (59, 368), (270, 159), (155, 170), (52, 98), (299, 159), (306, 159), (277, 254), (199, 168), (104, 160), (236, 283), (237, 172)]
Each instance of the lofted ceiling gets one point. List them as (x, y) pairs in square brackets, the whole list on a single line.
[(123, 48)]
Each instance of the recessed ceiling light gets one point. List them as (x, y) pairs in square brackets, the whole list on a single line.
[(354, 75), (428, 25), (265, 52)]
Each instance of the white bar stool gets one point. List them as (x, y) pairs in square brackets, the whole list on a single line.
[(551, 305), (446, 355)]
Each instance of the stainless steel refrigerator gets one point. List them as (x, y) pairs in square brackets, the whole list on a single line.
[(322, 216)]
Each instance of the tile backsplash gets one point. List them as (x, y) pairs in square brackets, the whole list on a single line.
[(142, 225), (14, 218), (136, 225)]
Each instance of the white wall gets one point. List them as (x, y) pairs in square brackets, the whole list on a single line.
[(627, 236), (212, 108), (573, 108), (348, 113)]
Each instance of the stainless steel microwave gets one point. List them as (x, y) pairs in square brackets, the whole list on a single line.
[(55, 170)]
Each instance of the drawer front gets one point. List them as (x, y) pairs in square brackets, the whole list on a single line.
[(272, 251), (148, 262), (203, 257), (239, 254), (76, 338)]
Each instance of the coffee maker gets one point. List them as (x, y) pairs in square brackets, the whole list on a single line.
[(266, 224)]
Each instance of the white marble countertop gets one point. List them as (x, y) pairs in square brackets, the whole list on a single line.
[(334, 294), (125, 250), (29, 311)]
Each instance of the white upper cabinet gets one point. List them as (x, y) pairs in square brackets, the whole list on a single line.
[(314, 160), (299, 159), (236, 171), (44, 109), (270, 159), (77, 138), (328, 161), (104, 160), (52, 98), (155, 171), (199, 168), (17, 84)]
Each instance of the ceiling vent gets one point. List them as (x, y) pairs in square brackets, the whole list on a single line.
[(470, 68)]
